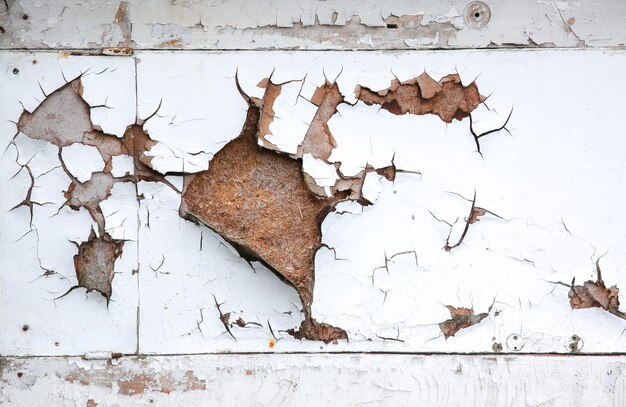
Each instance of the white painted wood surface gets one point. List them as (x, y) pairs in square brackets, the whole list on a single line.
[(333, 380), (555, 176), (310, 24), (556, 180)]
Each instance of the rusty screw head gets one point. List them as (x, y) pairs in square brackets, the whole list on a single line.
[(477, 14)]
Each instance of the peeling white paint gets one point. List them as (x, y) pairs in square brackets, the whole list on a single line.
[(36, 258), (82, 161), (311, 24), (395, 278), (550, 183), (383, 380)]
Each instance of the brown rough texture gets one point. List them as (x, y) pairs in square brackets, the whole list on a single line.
[(388, 172), (94, 264), (313, 330), (594, 294), (258, 200), (319, 141), (140, 383), (131, 383), (461, 318), (272, 91), (421, 96), (476, 214)]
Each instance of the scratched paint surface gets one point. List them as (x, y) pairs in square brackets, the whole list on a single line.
[(407, 267)]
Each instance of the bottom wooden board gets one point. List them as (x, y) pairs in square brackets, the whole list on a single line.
[(313, 380)]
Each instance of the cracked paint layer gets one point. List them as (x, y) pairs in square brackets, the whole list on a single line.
[(94, 264), (258, 201), (595, 294), (63, 119), (62, 144), (447, 98), (389, 378), (403, 184), (312, 24)]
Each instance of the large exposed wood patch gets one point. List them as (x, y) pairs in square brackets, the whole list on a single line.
[(257, 199)]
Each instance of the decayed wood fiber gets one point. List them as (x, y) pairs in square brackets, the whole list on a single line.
[(257, 199), (448, 98)]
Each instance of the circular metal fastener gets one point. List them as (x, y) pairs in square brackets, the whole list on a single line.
[(575, 344), (477, 14), (515, 342)]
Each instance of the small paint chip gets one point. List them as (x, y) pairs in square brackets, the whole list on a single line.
[(594, 294), (461, 318)]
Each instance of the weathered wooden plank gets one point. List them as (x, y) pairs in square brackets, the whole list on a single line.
[(403, 273), (310, 24), (313, 380)]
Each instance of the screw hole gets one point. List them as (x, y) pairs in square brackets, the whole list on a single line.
[(514, 337), (476, 15)]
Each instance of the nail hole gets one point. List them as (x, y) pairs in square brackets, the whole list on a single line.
[(514, 337), (24, 16), (25, 327), (392, 25), (2, 30), (19, 375), (476, 15)]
